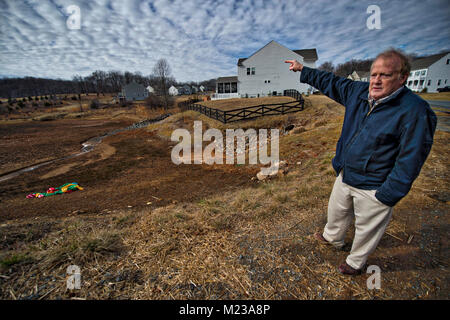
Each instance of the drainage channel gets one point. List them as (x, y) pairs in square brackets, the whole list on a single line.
[(87, 146)]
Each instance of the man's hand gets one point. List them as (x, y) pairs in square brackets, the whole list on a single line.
[(295, 65)]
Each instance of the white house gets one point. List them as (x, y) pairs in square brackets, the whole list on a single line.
[(202, 88), (265, 71), (430, 72), (360, 76), (150, 89), (133, 91), (173, 91)]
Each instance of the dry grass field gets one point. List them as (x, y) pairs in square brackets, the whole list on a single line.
[(143, 228)]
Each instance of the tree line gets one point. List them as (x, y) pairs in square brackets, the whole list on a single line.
[(98, 82), (346, 68)]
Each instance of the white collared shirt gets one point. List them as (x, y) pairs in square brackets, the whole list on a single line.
[(373, 103)]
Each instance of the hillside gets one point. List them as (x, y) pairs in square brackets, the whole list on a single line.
[(143, 228)]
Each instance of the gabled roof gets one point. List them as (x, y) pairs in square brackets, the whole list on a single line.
[(422, 63), (134, 84), (307, 54)]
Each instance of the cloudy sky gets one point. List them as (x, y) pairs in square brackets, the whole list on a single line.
[(202, 39)]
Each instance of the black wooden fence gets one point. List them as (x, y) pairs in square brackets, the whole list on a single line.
[(248, 112)]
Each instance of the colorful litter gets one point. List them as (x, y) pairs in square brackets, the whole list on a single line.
[(65, 188)]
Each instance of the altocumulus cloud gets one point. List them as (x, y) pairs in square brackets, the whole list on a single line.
[(203, 39)]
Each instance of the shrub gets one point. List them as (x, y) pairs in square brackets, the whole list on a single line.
[(153, 101), (425, 90), (95, 104)]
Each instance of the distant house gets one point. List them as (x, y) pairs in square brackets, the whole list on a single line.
[(173, 91), (430, 72), (360, 76), (202, 88), (133, 91), (184, 90), (150, 89), (194, 89)]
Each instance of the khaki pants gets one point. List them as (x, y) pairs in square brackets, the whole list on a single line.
[(371, 220)]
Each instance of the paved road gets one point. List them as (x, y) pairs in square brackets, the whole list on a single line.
[(443, 109)]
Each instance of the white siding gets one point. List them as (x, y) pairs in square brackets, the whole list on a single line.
[(439, 70), (270, 66)]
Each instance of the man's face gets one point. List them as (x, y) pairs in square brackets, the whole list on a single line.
[(385, 77)]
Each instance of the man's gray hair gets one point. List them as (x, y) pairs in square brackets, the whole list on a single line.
[(405, 65)]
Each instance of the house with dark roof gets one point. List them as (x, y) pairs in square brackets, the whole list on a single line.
[(265, 73), (430, 72)]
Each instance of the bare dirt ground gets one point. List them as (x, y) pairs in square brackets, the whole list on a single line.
[(130, 168), (144, 228)]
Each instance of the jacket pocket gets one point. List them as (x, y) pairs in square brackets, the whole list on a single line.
[(359, 165)]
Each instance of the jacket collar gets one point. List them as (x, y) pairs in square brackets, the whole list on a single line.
[(366, 96)]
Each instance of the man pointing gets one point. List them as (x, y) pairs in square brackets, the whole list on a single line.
[(386, 136)]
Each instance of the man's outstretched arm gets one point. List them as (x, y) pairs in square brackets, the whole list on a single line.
[(337, 88)]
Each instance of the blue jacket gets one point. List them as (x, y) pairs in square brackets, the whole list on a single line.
[(384, 149)]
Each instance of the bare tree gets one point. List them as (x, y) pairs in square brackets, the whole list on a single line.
[(79, 81), (161, 71), (327, 66)]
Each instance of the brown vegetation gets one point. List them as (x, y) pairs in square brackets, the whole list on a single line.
[(242, 240)]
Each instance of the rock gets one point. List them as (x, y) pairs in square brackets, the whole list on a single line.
[(261, 176)]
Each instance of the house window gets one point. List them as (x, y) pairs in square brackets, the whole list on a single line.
[(220, 88), (445, 81), (227, 88), (429, 82), (417, 73), (265, 81), (448, 61), (253, 71), (423, 72), (268, 81), (233, 87), (248, 71), (409, 82), (410, 74), (439, 82)]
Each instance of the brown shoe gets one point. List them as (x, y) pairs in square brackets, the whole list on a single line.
[(348, 270), (320, 238)]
